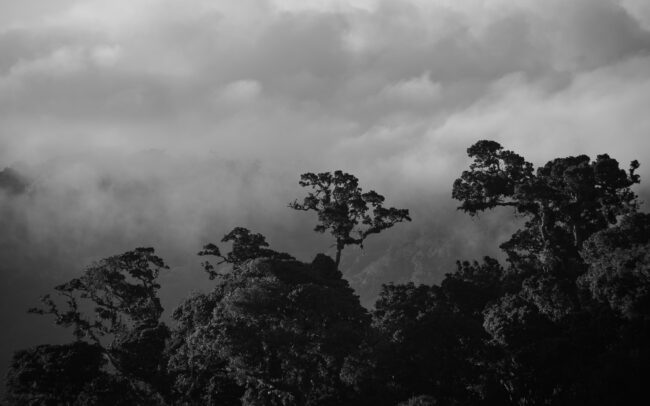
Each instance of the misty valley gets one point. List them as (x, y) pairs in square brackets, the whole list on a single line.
[(562, 317)]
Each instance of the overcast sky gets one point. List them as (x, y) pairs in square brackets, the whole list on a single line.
[(167, 123), (394, 88)]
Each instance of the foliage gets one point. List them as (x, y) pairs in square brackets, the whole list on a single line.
[(422, 400), (343, 208), (427, 340), (74, 374), (122, 289), (619, 267), (564, 202), (200, 372), (429, 343), (565, 321), (245, 246), (53, 374), (474, 285), (115, 306), (582, 245), (280, 330)]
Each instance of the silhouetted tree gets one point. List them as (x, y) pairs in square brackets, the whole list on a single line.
[(421, 343), (53, 374), (474, 285), (619, 266), (558, 343), (564, 202), (123, 290), (113, 305), (245, 246), (343, 208), (271, 332)]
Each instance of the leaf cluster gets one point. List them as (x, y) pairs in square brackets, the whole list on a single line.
[(246, 246), (344, 210)]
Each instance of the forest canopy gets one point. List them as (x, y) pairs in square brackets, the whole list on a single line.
[(564, 320)]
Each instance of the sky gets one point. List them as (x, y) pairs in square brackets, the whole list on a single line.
[(166, 123)]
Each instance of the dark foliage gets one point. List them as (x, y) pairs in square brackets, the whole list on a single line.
[(274, 332), (114, 310), (565, 322), (245, 246), (122, 290), (344, 210), (53, 374), (577, 273), (564, 202), (619, 267)]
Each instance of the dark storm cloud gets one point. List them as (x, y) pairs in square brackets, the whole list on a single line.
[(167, 123)]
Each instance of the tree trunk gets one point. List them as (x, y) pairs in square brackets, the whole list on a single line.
[(339, 248), (577, 237), (545, 229)]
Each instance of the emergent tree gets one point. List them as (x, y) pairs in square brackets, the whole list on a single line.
[(564, 202), (114, 311), (344, 210)]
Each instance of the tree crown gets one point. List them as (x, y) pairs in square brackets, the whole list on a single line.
[(344, 210)]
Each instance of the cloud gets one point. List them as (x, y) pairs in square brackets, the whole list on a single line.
[(240, 92), (148, 74), (391, 91), (414, 91)]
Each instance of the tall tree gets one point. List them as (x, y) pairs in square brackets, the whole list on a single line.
[(564, 202), (576, 272), (115, 307), (344, 210)]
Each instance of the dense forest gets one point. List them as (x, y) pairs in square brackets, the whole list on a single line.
[(565, 320)]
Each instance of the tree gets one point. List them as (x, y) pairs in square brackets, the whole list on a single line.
[(619, 267), (571, 312), (122, 289), (343, 208), (69, 374), (53, 374), (245, 247), (114, 305), (200, 372), (564, 202), (473, 285), (421, 343), (272, 332)]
